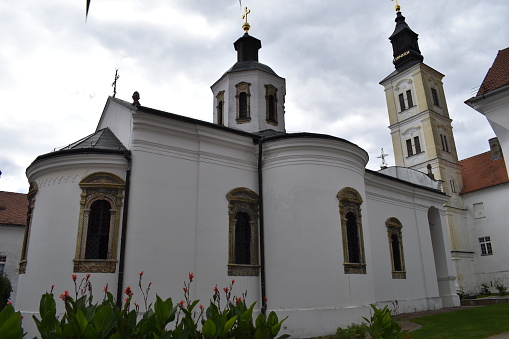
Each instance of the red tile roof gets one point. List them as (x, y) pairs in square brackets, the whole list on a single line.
[(13, 208), (498, 74), (480, 171)]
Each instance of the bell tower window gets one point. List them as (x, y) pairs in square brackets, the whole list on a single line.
[(434, 95), (243, 102), (271, 104), (220, 109)]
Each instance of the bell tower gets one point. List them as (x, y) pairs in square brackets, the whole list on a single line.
[(422, 134), (250, 96)]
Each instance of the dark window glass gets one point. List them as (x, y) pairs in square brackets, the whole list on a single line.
[(409, 147), (242, 239), (220, 113), (402, 102), (98, 230), (352, 233), (396, 253), (243, 105), (434, 94), (417, 145), (272, 108), (409, 98)]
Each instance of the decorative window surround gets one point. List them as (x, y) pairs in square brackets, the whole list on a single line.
[(396, 248), (220, 108), (243, 201), (243, 99), (99, 186), (271, 104), (32, 191), (351, 230)]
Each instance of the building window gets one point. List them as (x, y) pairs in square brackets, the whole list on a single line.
[(409, 99), (479, 210), (243, 102), (409, 147), (485, 243), (445, 146), (417, 144), (402, 102), (271, 104), (453, 185), (220, 108), (243, 232), (351, 229), (396, 248), (32, 191), (3, 260), (434, 94), (99, 223)]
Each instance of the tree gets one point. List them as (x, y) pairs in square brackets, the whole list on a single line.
[(5, 290)]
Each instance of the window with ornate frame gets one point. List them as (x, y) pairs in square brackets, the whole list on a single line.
[(243, 98), (32, 191), (220, 108), (350, 202), (271, 104), (99, 223), (396, 248), (243, 232)]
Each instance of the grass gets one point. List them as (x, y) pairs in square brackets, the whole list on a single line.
[(474, 323)]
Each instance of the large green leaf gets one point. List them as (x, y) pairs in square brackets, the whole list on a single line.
[(209, 329)]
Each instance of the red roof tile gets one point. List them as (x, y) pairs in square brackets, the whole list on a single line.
[(13, 208), (498, 74), (480, 171)]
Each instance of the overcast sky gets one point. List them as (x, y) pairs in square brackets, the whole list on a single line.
[(56, 70)]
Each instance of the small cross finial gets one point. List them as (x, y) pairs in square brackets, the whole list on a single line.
[(382, 156), (246, 25), (114, 84), (398, 8)]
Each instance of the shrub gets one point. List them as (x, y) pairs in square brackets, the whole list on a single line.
[(485, 289), (502, 289), (353, 331), (5, 290), (463, 295), (381, 325)]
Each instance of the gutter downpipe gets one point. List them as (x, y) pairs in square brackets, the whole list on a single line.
[(121, 260), (262, 238)]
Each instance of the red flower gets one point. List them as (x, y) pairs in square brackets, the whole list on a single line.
[(128, 291), (182, 303), (185, 290), (126, 299), (149, 284), (141, 273), (65, 296), (8, 303), (265, 299), (105, 289), (233, 281), (238, 301), (225, 289), (191, 276), (88, 276), (201, 307), (22, 317), (74, 277), (216, 290)]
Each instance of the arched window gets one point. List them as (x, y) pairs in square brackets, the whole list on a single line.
[(242, 239), (99, 223), (98, 230), (396, 248), (220, 113), (243, 232), (243, 102), (271, 102), (351, 230)]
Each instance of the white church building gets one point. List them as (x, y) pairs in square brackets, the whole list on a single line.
[(294, 217)]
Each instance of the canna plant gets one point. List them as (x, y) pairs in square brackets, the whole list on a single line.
[(186, 319)]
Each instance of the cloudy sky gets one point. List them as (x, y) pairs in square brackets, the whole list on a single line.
[(56, 70)]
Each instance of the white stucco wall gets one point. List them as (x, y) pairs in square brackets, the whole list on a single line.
[(11, 241)]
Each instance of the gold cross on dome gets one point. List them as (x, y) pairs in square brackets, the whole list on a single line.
[(246, 25), (397, 6)]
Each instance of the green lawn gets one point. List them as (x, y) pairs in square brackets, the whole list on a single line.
[(474, 323)]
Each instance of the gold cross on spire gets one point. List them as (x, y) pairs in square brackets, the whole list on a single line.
[(246, 25), (397, 6)]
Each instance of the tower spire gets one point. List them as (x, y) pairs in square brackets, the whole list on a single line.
[(404, 43)]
